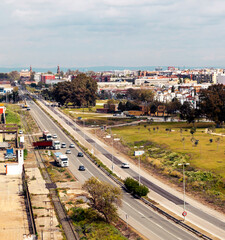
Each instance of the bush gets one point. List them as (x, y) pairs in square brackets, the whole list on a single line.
[(134, 187)]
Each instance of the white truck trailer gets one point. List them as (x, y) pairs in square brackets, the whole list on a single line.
[(61, 159)]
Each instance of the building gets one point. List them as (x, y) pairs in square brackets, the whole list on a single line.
[(47, 78)]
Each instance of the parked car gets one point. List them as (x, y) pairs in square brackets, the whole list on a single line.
[(81, 168), (125, 165), (80, 154), (72, 145), (20, 132), (68, 151), (63, 145)]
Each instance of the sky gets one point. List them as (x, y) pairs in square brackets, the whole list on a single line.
[(85, 33)]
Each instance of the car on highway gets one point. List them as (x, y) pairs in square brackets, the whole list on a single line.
[(81, 168), (125, 165), (68, 151), (54, 136), (72, 145), (80, 154), (63, 145)]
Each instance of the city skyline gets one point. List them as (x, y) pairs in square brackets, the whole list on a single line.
[(112, 33)]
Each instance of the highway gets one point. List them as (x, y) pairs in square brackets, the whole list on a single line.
[(141, 217), (216, 225)]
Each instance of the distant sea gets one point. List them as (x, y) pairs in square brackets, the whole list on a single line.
[(95, 69)]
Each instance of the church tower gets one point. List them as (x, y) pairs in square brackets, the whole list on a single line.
[(58, 70)]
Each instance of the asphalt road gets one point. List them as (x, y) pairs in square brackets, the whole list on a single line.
[(164, 193), (155, 226)]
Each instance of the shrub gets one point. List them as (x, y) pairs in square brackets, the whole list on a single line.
[(134, 187)]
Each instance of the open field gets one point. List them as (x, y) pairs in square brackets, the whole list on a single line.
[(166, 145), (206, 155), (91, 118), (99, 104), (12, 114)]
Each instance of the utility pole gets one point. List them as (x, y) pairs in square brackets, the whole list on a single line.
[(184, 206)]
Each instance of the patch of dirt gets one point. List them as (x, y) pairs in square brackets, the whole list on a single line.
[(128, 231)]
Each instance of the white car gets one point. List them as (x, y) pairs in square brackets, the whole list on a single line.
[(63, 145), (54, 136), (20, 132), (68, 151), (72, 145), (125, 165)]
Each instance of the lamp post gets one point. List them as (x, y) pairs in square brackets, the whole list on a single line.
[(116, 139), (139, 165), (184, 207)]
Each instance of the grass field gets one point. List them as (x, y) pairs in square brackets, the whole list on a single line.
[(99, 104), (166, 145), (206, 155), (92, 118), (12, 114)]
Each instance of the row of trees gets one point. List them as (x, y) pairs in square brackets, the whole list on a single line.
[(81, 91)]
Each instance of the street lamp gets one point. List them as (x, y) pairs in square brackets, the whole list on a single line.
[(116, 139), (184, 165), (139, 164)]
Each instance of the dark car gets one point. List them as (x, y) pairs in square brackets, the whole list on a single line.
[(80, 154), (81, 168)]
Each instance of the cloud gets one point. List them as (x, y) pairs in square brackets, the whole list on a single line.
[(94, 32)]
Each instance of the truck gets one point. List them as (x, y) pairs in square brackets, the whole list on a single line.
[(46, 135), (47, 144), (61, 160)]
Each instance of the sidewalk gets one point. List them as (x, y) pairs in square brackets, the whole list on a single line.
[(177, 209)]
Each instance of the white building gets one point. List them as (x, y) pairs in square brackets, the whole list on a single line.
[(16, 168), (221, 78), (37, 77)]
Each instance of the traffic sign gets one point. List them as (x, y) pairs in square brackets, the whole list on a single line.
[(184, 213)]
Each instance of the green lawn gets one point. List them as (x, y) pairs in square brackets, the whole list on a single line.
[(12, 114)]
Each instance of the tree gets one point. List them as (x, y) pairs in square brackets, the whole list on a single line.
[(81, 91), (142, 95), (122, 106), (15, 95), (187, 112), (14, 76), (62, 92), (103, 197), (84, 90), (173, 106), (212, 103)]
